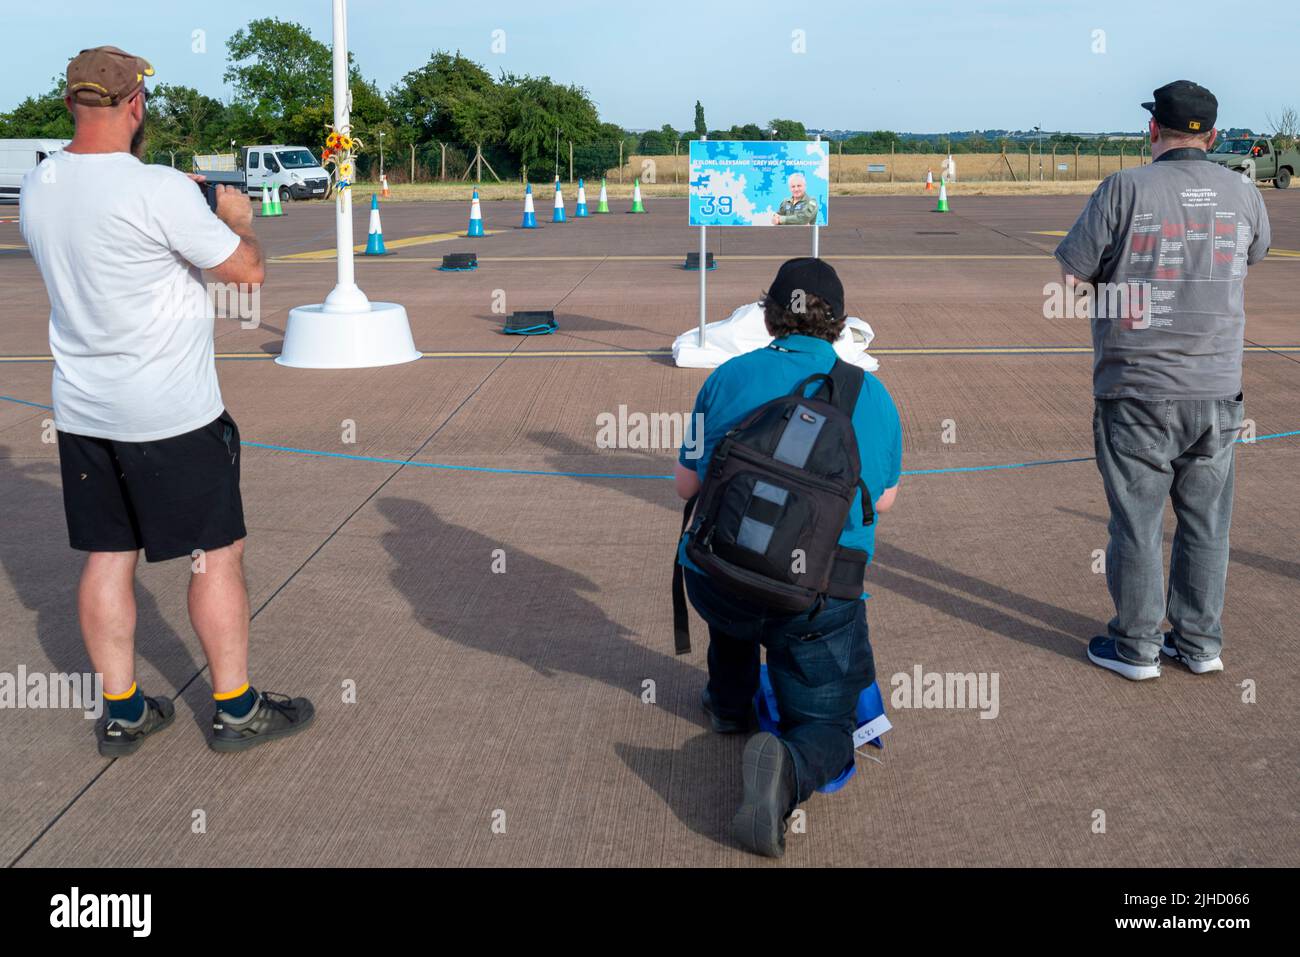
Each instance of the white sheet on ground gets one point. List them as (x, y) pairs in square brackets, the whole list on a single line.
[(744, 331)]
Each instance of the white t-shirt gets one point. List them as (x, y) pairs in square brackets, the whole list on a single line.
[(121, 245)]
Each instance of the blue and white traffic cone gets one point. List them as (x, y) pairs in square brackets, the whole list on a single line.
[(557, 214), (475, 217), (375, 241), (530, 217), (581, 210)]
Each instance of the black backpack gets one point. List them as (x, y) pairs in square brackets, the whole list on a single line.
[(770, 511)]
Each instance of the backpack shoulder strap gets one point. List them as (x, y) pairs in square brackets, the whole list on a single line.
[(823, 384), (847, 381), (681, 618)]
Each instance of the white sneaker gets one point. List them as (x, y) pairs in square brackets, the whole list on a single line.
[(1204, 667)]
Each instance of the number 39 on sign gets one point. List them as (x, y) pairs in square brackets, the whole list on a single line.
[(707, 204)]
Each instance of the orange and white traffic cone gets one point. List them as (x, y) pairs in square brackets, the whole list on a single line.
[(384, 191), (929, 180)]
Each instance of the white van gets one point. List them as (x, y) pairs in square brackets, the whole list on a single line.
[(17, 157), (291, 171)]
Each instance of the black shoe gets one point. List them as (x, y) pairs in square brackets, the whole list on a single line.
[(1103, 653), (117, 740), (723, 725), (274, 716), (770, 796)]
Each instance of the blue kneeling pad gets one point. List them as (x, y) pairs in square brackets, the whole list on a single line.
[(871, 722)]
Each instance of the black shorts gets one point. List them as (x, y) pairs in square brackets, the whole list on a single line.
[(169, 497)]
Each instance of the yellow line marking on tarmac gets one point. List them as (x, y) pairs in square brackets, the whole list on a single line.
[(615, 353), (1049, 232), (12, 246), (322, 255)]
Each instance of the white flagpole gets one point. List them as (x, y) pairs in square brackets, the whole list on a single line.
[(704, 255), (816, 228), (346, 295), (347, 330)]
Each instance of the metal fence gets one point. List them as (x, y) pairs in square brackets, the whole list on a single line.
[(466, 162), (1015, 164)]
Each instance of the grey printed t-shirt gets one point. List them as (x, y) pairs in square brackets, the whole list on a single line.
[(1179, 233)]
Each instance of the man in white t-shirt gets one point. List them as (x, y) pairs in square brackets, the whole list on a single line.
[(148, 454)]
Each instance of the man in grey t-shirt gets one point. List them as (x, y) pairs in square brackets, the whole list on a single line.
[(1164, 248)]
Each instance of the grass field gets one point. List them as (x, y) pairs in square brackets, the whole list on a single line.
[(912, 167), (512, 191), (978, 174)]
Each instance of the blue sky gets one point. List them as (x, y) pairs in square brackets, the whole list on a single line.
[(909, 65)]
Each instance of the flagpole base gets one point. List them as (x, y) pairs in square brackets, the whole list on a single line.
[(317, 337)]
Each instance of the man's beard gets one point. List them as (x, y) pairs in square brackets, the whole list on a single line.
[(137, 141)]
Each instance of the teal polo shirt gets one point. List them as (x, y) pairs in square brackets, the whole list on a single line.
[(740, 385)]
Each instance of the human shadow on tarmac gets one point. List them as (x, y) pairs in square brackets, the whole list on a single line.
[(43, 571), (1265, 563), (892, 569), (539, 614), (535, 613)]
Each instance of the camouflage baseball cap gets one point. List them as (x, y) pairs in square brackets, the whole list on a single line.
[(105, 76)]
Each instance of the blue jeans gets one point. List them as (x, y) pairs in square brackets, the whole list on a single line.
[(1150, 450), (818, 668)]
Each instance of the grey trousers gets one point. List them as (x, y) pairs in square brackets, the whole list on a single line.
[(1150, 450)]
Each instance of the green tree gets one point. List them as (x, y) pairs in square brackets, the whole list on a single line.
[(541, 117), (451, 99), (183, 120), (788, 130), (750, 131), (658, 142), (876, 141), (701, 128), (592, 160), (282, 81), (39, 117)]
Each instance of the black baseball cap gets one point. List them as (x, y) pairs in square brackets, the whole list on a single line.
[(1184, 106), (808, 275)]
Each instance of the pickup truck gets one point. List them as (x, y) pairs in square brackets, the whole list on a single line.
[(292, 171), (1262, 159)]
